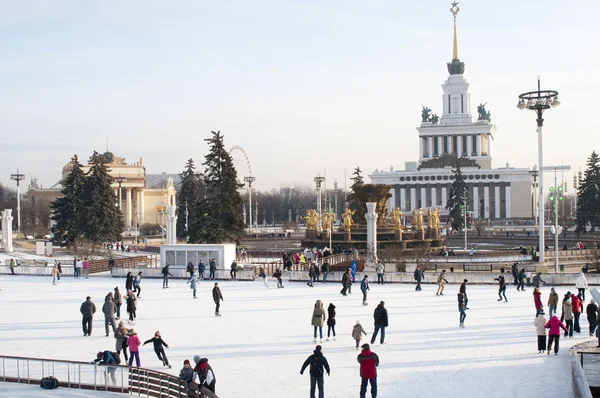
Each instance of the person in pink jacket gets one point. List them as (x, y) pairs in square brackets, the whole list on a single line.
[(554, 324), (134, 343), (86, 268)]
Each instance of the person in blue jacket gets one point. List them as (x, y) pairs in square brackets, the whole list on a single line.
[(107, 358)]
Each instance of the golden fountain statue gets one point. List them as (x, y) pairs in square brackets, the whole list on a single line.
[(347, 217), (396, 218)]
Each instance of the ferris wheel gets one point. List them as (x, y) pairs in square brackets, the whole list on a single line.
[(241, 163)]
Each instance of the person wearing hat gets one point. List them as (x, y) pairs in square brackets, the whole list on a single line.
[(87, 309), (206, 376), (540, 328), (552, 302), (537, 300), (317, 362), (567, 314), (364, 286), (187, 372), (158, 343), (461, 309), (369, 361), (133, 341), (217, 297), (463, 290), (380, 316), (118, 300)]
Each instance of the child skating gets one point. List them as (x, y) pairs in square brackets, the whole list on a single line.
[(158, 343), (263, 275), (357, 332)]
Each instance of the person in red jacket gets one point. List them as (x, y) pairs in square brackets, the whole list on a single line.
[(537, 300), (554, 324), (576, 303), (368, 370)]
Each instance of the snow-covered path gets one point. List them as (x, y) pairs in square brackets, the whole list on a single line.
[(257, 347)]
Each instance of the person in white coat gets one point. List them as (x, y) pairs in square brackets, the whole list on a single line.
[(581, 285), (540, 329)]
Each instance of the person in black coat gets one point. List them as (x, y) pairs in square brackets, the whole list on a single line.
[(380, 316), (317, 362), (345, 283), (158, 343), (418, 277), (592, 316), (330, 320), (521, 280), (217, 297), (463, 290), (515, 273), (129, 282)]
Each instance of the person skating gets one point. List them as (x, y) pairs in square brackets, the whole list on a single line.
[(577, 308), (331, 321), (121, 336), (380, 318), (540, 329), (567, 315), (345, 283), (318, 320), (158, 344), (364, 286), (581, 284), (440, 281), (521, 279), (277, 275), (357, 333), (60, 271), (418, 275), (108, 358), (233, 270), (463, 290), (129, 281), (353, 269), (193, 284), (552, 302), (166, 274), (217, 298), (537, 300), (461, 309), (131, 306), (12, 266), (109, 309), (263, 275), (190, 269), (118, 300), (212, 266), (54, 274), (501, 288), (87, 309), (133, 341), (205, 374), (592, 315), (187, 372), (515, 273), (317, 362), (369, 361), (554, 324), (137, 281), (311, 275), (201, 269), (537, 280), (380, 268), (325, 270)]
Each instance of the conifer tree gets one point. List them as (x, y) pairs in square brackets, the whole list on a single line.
[(458, 200), (359, 213), (217, 218), (66, 210), (191, 190), (588, 196)]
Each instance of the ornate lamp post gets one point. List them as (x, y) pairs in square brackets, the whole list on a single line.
[(120, 180), (318, 181), (18, 178), (250, 180), (534, 173), (539, 101)]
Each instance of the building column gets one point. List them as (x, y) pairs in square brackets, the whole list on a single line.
[(459, 144), (440, 145), (423, 197), (391, 203), (497, 201), (478, 144), (402, 199), (413, 198), (444, 197), (508, 207), (371, 218), (469, 139), (141, 206), (489, 145), (128, 208), (486, 201), (430, 145), (434, 196), (476, 201)]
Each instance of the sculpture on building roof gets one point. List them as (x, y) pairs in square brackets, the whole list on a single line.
[(426, 114), (483, 114), (435, 119), (448, 160)]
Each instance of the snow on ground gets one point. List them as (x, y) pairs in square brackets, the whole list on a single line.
[(14, 390), (259, 344)]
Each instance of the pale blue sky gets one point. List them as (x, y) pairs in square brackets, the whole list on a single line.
[(302, 86)]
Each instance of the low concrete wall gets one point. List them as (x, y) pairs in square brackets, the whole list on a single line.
[(180, 273), (581, 388)]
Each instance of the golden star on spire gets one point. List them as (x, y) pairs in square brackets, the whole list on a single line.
[(454, 9)]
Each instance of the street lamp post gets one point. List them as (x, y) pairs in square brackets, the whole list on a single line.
[(318, 181), (539, 101), (250, 180), (535, 173), (18, 177), (120, 180)]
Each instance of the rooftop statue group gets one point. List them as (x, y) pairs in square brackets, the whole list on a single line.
[(427, 116)]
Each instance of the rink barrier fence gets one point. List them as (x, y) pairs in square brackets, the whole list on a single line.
[(91, 376), (581, 387)]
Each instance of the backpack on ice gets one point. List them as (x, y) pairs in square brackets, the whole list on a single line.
[(116, 356), (49, 383)]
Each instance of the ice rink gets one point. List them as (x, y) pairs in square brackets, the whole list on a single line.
[(257, 347)]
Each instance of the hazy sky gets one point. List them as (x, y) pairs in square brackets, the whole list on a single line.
[(301, 85)]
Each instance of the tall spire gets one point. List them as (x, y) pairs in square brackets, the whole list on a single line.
[(455, 67)]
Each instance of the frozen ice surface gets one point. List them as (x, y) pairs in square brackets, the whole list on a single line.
[(14, 390), (259, 344)]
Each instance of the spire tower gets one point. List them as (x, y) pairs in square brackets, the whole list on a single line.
[(455, 67)]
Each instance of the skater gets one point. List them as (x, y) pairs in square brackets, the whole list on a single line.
[(158, 343), (418, 275), (311, 275), (201, 269), (592, 315), (364, 286), (369, 361), (537, 280), (317, 362), (54, 274), (515, 273), (190, 269), (193, 284), (581, 285), (59, 267), (528, 278), (440, 281), (77, 268), (357, 332), (380, 268), (212, 266), (552, 302), (217, 297), (108, 358), (87, 309), (263, 275), (133, 341), (577, 306), (187, 372), (380, 317), (121, 335), (318, 320), (345, 283), (330, 321), (537, 301), (137, 289), (325, 270), (463, 290), (521, 280), (166, 274), (540, 329), (109, 309), (131, 306), (277, 275), (233, 272), (12, 266), (353, 269), (350, 281), (205, 374), (554, 324), (118, 300), (129, 281), (501, 288), (86, 268), (461, 309), (567, 314)]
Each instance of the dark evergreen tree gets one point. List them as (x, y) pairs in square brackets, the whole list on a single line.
[(68, 210), (458, 201), (191, 190), (217, 218), (102, 218), (588, 196), (358, 181)]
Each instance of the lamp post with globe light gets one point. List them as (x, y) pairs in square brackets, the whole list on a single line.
[(539, 101)]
